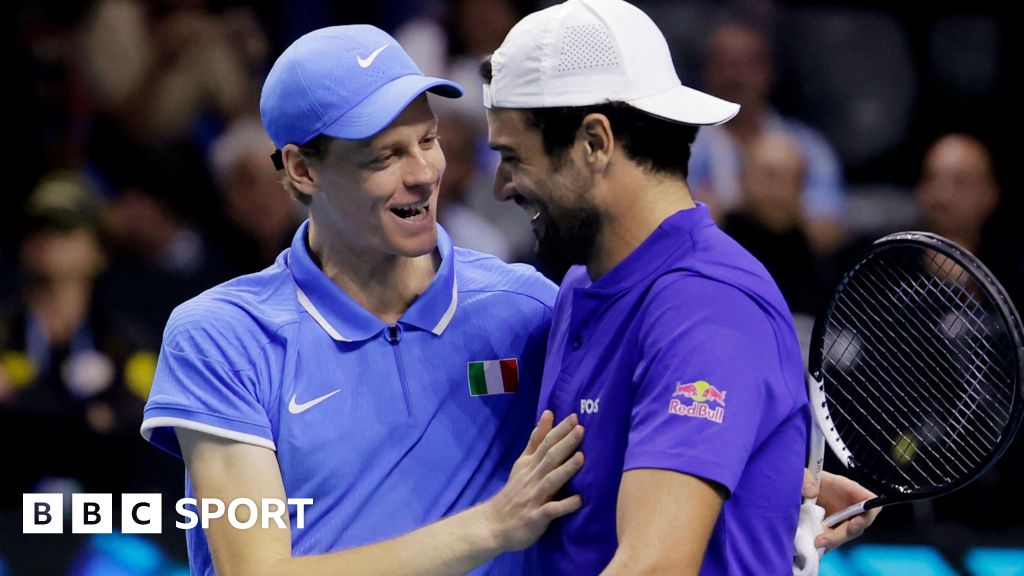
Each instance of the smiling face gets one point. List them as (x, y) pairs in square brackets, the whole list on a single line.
[(380, 194), (555, 192)]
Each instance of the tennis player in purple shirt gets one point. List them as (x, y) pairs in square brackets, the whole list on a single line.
[(670, 341)]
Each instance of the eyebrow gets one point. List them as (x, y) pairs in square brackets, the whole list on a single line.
[(374, 145), (500, 147)]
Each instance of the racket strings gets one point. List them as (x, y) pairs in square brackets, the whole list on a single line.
[(968, 293), (923, 285), (918, 369), (863, 434), (997, 344), (955, 358), (870, 457), (954, 352), (890, 409), (912, 357), (916, 375), (936, 473)]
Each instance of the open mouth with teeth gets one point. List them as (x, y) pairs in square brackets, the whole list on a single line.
[(532, 209), (412, 212)]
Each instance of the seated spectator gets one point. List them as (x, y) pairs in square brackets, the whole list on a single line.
[(959, 197), (769, 222), (69, 377), (739, 68)]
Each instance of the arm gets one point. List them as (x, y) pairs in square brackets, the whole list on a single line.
[(511, 520), (837, 493), (664, 520)]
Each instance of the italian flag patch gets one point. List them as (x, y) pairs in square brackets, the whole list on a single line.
[(493, 377)]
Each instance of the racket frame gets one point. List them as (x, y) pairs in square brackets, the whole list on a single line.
[(823, 431)]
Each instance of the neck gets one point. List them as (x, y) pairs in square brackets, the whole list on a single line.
[(61, 305), (384, 284), (635, 203)]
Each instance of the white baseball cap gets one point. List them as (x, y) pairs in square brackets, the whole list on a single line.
[(587, 52)]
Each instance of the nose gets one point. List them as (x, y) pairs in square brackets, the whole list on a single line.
[(503, 188), (423, 169)]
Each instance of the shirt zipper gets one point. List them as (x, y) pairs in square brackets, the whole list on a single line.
[(394, 334)]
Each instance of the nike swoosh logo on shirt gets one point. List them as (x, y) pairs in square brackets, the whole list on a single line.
[(365, 62), (296, 408)]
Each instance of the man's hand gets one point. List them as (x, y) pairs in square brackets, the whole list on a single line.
[(522, 510), (837, 493), (513, 519)]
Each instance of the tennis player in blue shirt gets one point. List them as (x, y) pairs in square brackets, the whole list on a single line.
[(374, 368), (671, 342)]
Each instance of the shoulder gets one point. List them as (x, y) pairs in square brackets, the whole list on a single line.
[(485, 274), (696, 292), (685, 305), (231, 320)]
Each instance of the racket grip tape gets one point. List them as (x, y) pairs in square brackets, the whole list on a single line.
[(806, 557), (846, 513)]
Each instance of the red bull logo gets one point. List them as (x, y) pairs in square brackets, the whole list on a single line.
[(701, 394), (700, 391)]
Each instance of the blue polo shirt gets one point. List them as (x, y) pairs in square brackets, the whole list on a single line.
[(683, 357), (375, 423)]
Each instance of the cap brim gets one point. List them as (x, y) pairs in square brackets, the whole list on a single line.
[(381, 108), (687, 106)]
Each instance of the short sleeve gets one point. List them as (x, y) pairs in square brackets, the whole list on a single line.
[(709, 356), (205, 381)]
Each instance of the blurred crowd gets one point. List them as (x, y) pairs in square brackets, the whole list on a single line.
[(143, 177)]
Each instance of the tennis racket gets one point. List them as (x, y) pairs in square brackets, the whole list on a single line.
[(915, 371)]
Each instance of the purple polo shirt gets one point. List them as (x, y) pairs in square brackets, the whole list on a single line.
[(683, 357)]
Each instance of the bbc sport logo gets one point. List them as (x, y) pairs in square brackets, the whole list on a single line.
[(143, 514)]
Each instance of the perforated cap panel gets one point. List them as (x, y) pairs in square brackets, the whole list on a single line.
[(586, 47)]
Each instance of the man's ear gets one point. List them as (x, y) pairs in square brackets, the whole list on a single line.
[(299, 170), (599, 141)]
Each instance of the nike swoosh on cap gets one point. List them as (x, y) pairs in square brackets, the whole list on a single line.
[(296, 408), (365, 62)]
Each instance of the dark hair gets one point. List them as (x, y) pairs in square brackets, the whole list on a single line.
[(654, 143), (315, 149)]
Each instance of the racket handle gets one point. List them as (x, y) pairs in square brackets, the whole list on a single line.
[(816, 449), (816, 457), (806, 556), (846, 514)]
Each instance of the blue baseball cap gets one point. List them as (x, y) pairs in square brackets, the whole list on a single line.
[(348, 82)]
